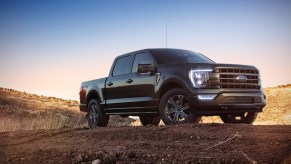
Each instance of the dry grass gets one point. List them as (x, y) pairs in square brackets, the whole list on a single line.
[(278, 108), (40, 121), (23, 111)]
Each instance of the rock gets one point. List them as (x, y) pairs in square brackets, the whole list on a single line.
[(96, 161), (79, 158)]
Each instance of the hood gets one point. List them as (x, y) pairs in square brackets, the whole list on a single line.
[(209, 66), (220, 65)]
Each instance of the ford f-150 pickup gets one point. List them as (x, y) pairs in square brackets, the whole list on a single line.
[(177, 86)]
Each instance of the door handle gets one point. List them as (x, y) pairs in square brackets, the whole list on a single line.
[(129, 81), (110, 83)]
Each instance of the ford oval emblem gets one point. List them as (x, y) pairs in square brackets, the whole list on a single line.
[(241, 78)]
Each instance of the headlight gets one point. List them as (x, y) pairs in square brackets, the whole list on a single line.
[(199, 78)]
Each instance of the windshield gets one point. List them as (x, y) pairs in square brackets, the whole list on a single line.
[(171, 56)]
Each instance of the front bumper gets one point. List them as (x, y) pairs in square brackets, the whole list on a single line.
[(228, 102)]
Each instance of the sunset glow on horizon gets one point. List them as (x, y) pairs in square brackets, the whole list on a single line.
[(49, 47)]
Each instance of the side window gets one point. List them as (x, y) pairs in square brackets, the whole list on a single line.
[(122, 66), (142, 58)]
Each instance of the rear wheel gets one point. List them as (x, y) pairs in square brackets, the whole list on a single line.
[(96, 116), (150, 119), (240, 118), (175, 109)]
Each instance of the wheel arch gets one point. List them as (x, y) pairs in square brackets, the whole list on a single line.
[(92, 94), (170, 84)]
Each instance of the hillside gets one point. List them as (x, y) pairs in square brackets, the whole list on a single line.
[(24, 111)]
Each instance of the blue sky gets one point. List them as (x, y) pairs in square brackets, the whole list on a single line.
[(50, 46)]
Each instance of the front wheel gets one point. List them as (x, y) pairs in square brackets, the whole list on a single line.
[(174, 108), (240, 118), (96, 116)]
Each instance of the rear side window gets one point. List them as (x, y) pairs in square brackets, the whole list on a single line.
[(122, 66)]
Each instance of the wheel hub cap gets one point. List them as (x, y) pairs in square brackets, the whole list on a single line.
[(177, 108)]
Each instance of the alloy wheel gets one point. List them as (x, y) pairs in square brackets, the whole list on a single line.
[(178, 108)]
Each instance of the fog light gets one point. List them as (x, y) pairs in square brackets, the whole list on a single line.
[(206, 97)]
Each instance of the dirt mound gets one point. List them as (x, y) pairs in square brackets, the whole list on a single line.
[(195, 143), (24, 111)]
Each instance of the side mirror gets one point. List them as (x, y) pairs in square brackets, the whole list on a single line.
[(146, 68)]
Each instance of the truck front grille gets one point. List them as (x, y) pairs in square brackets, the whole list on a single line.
[(238, 78)]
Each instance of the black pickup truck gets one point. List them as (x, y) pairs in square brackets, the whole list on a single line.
[(177, 86)]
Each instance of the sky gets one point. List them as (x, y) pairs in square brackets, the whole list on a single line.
[(48, 47)]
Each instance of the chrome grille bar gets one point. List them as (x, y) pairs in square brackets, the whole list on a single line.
[(231, 78)]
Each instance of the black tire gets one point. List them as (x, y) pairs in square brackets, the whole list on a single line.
[(174, 108), (150, 120), (96, 116), (240, 118)]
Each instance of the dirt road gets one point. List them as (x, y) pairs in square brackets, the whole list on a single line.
[(196, 143)]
